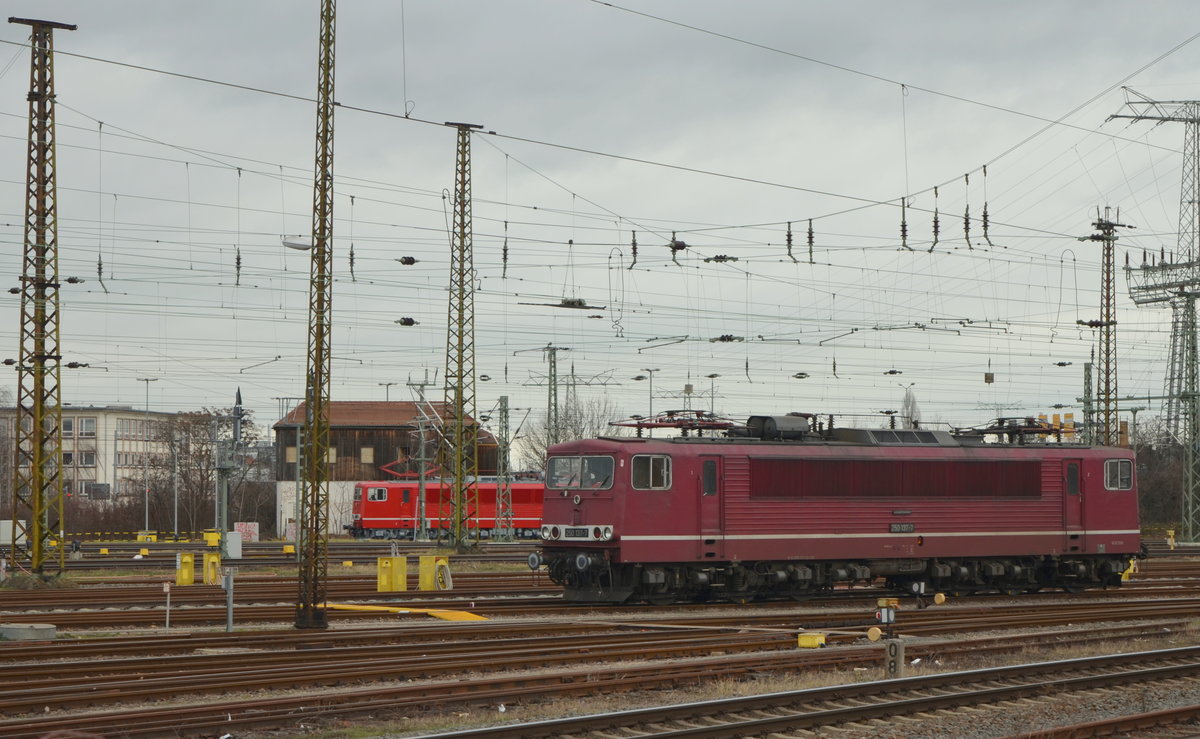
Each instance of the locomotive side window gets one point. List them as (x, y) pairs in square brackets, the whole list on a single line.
[(651, 472), (1118, 474), (377, 494), (588, 473)]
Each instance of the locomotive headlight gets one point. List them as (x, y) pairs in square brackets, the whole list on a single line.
[(545, 532), (607, 534), (553, 532), (596, 533)]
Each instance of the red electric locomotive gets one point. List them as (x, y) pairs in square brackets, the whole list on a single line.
[(784, 508), (388, 510)]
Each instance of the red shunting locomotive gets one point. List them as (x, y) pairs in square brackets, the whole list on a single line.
[(783, 507), (388, 510)]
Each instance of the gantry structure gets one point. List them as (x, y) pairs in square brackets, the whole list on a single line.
[(1176, 281), (37, 465), (459, 448), (314, 497)]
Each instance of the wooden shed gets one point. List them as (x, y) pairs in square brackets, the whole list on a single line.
[(373, 440)]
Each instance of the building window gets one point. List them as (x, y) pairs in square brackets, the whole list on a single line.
[(331, 456), (68, 459), (87, 459), (289, 455), (87, 427), (68, 427), (366, 455)]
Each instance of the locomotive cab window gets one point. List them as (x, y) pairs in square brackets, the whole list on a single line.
[(651, 472), (377, 494), (586, 473), (1118, 474)]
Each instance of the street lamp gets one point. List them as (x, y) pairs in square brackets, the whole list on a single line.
[(146, 456), (387, 390), (713, 392), (649, 376)]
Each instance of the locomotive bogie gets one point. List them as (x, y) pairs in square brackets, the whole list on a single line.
[(594, 577)]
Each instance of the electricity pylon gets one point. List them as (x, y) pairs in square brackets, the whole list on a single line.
[(1177, 282)]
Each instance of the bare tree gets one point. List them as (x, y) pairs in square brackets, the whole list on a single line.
[(1160, 475), (189, 441), (578, 419)]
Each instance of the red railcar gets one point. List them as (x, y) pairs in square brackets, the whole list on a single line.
[(388, 510), (750, 516)]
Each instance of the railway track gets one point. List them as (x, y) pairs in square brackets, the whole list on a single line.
[(855, 708), (408, 669)]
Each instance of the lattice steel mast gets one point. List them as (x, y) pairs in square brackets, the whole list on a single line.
[(1107, 324), (462, 430), (505, 529), (1175, 281), (314, 502), (37, 468)]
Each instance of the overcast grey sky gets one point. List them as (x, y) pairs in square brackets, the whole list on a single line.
[(719, 122)]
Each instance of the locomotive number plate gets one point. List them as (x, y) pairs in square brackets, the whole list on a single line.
[(576, 533), (902, 528)]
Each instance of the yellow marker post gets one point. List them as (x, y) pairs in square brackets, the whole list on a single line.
[(1171, 538), (391, 574), (212, 568), (144, 552), (289, 548), (433, 572), (104, 550), (1130, 571), (185, 568)]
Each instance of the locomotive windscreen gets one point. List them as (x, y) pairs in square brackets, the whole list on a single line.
[(774, 477)]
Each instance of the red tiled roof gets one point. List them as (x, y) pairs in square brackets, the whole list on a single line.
[(360, 413)]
